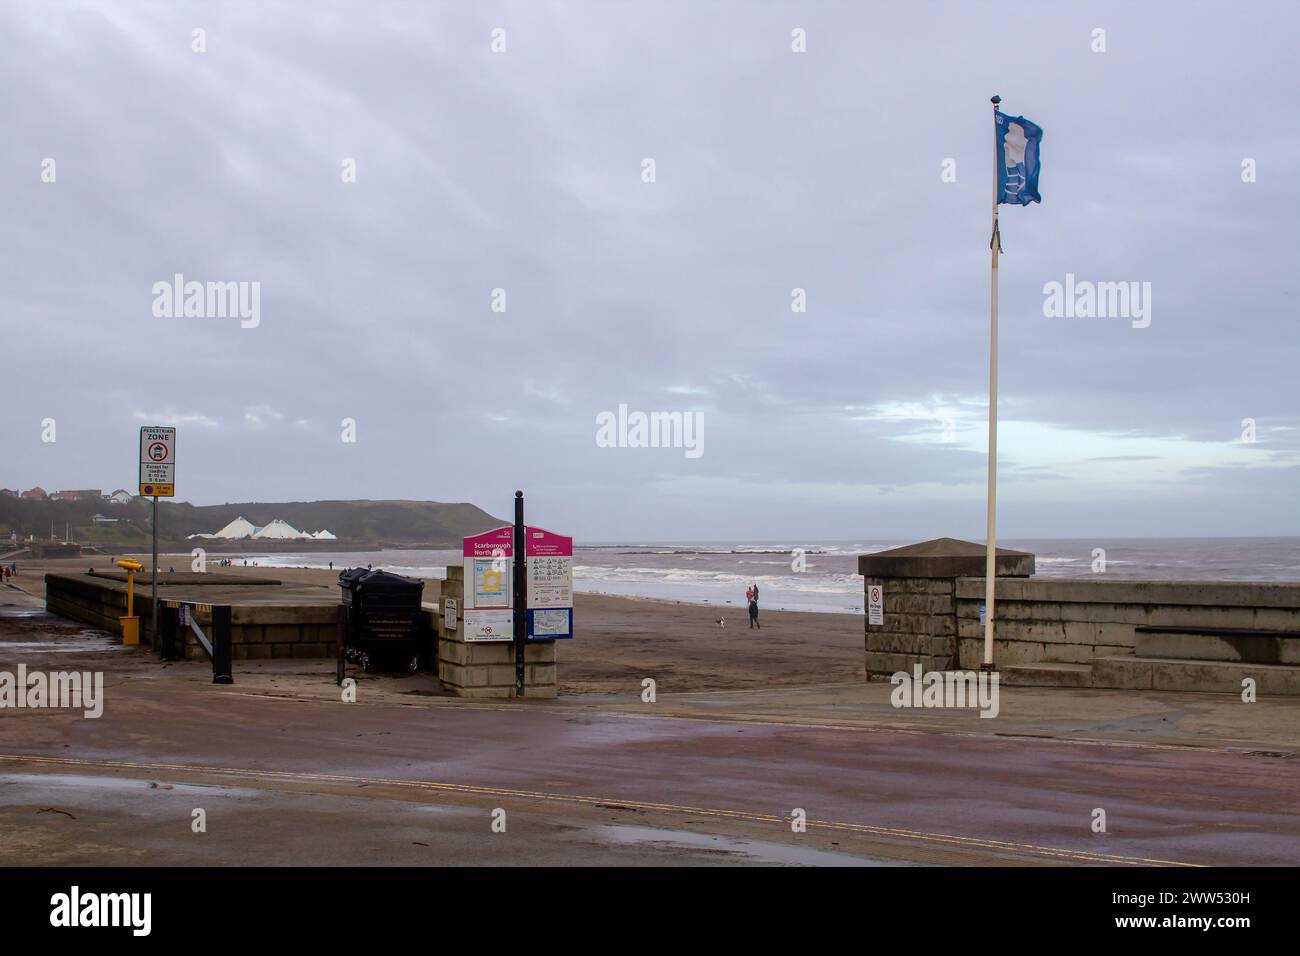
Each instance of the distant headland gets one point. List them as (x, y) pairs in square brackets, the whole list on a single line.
[(94, 521)]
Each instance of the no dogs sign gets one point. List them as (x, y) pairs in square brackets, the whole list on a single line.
[(875, 604)]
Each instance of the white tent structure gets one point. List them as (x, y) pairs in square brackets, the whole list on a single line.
[(278, 530), (241, 527), (281, 530)]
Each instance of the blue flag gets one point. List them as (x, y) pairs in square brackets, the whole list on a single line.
[(1017, 141)]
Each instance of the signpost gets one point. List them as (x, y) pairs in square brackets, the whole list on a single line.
[(521, 634), (157, 480), (518, 587)]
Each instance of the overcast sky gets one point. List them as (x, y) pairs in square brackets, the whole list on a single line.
[(863, 417)]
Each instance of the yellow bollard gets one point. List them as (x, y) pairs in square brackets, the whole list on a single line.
[(130, 624)]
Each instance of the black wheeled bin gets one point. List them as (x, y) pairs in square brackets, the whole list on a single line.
[(385, 621)]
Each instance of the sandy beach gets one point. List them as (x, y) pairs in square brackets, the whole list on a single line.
[(620, 641)]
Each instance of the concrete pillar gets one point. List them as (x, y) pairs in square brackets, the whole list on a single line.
[(487, 668), (919, 582)]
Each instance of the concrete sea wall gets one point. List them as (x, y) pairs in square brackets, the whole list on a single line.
[(1079, 620), (261, 631), (1090, 632), (258, 632)]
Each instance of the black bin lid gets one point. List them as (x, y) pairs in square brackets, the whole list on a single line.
[(355, 578)]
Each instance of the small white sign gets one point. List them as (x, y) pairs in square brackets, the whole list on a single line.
[(449, 614), (492, 624), (875, 604)]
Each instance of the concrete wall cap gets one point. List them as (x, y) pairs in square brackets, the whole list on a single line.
[(943, 558)]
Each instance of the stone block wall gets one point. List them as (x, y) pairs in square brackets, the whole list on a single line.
[(1078, 620), (920, 601), (920, 626), (486, 669), (933, 593)]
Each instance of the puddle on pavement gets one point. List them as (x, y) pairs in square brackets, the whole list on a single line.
[(757, 851), (86, 785), (61, 647)]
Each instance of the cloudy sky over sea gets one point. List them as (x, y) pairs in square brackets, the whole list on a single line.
[(523, 170)]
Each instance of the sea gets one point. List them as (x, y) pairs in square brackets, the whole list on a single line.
[(822, 576)]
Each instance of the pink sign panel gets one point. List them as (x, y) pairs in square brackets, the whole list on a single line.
[(499, 542), (540, 543)]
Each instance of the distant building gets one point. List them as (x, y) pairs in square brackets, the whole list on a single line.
[(119, 497), (38, 492), (103, 519), (8, 493), (77, 494)]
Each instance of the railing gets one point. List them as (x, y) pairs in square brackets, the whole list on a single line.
[(179, 615)]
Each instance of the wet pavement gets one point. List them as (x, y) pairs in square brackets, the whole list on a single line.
[(293, 774)]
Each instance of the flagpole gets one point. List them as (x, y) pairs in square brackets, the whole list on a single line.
[(990, 547)]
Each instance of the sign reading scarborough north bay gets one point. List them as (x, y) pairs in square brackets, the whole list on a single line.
[(548, 562), (157, 461), (486, 614)]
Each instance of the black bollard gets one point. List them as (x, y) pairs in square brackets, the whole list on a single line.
[(221, 649), (342, 643), (520, 595), (170, 620)]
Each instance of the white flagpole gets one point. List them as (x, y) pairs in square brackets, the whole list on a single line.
[(990, 547)]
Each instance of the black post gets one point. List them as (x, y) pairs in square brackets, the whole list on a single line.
[(221, 649), (520, 595), (342, 642), (168, 623)]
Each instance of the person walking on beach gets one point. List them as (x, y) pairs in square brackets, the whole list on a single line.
[(752, 594)]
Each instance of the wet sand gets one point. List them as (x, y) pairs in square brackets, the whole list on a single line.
[(620, 641)]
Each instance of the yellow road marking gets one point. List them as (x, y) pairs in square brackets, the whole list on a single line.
[(986, 843)]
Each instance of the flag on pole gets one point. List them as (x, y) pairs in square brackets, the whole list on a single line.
[(1017, 142), (1015, 182)]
